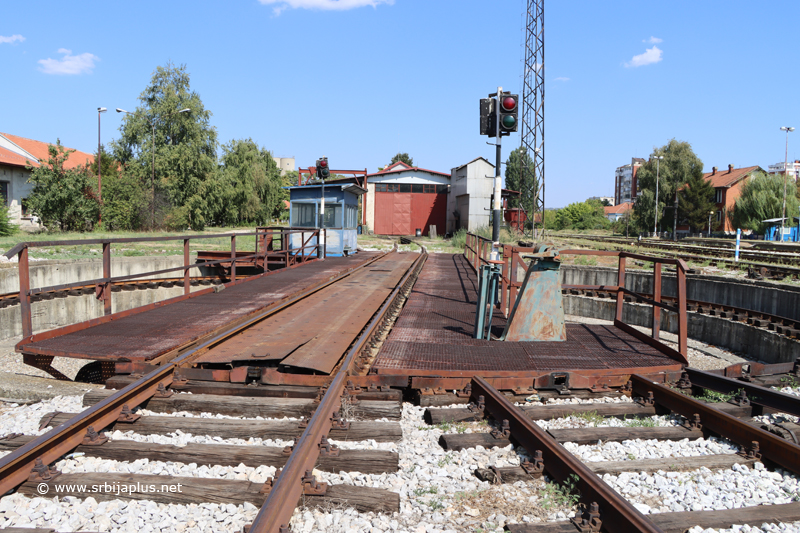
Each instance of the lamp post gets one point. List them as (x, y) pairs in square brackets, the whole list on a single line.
[(787, 129), (153, 178), (658, 159), (710, 214), (100, 110)]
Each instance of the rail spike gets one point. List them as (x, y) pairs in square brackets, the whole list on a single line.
[(127, 415), (536, 467), (479, 407)]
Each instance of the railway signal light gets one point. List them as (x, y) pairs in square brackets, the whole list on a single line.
[(488, 117), (323, 172), (508, 108)]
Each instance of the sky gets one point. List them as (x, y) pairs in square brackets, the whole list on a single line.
[(361, 80)]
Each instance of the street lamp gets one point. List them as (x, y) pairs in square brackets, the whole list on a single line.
[(710, 214), (153, 179), (658, 159), (100, 110), (787, 129)]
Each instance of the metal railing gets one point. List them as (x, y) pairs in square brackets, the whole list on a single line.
[(265, 238), (477, 250)]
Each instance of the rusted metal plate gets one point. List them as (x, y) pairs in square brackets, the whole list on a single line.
[(315, 333), (433, 334), (146, 335)]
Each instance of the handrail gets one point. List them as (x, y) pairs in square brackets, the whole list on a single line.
[(264, 239), (477, 253)]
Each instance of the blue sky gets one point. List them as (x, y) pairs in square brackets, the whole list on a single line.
[(360, 80)]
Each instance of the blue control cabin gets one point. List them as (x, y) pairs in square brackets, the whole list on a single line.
[(773, 231), (340, 219)]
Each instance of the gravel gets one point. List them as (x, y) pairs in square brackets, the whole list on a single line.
[(438, 490)]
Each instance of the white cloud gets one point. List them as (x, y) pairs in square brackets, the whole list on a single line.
[(325, 5), (653, 40), (650, 56), (11, 39), (69, 64), (561, 78)]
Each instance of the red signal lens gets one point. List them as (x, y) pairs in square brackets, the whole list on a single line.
[(508, 103), (323, 163)]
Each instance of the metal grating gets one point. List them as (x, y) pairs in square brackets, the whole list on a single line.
[(434, 332)]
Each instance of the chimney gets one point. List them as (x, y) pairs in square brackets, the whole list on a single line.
[(713, 171), (730, 168)]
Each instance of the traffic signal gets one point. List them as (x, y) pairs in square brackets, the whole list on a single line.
[(488, 117), (323, 172), (508, 108)]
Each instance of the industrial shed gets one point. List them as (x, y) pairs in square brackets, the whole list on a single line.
[(402, 199)]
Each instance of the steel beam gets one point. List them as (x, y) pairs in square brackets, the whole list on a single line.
[(763, 396)]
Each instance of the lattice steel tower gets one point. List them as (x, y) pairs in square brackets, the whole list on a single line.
[(532, 138)]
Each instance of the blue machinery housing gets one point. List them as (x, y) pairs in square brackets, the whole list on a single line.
[(340, 219)]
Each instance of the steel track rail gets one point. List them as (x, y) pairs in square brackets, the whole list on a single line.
[(773, 448), (616, 513), (288, 488), (756, 394), (16, 467)]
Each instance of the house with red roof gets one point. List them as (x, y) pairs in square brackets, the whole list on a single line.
[(616, 212), (402, 199), (16, 154)]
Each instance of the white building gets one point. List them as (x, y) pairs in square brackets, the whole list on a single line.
[(625, 181), (470, 195), (285, 164), (794, 168)]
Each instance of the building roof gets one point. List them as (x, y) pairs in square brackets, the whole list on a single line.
[(12, 158), (729, 177), (400, 166), (40, 151), (465, 164), (619, 209)]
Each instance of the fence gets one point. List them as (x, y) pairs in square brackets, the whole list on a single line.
[(264, 242), (477, 251)]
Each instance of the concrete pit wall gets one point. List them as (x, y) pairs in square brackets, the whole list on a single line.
[(755, 343), (59, 312), (762, 296)]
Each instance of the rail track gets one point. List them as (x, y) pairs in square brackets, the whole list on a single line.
[(267, 450), (758, 263)]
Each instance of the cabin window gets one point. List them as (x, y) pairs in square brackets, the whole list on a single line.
[(304, 215)]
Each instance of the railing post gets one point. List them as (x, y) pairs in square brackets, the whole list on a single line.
[(621, 284), (24, 292), (682, 324), (186, 281), (512, 297), (657, 298), (106, 276), (233, 257), (504, 278)]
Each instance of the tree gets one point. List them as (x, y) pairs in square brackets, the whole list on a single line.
[(679, 164), (7, 228), (63, 197), (125, 202), (404, 157), (185, 148), (761, 198), (582, 216), (520, 176), (248, 187), (695, 202)]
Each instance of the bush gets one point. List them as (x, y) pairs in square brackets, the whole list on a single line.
[(459, 239), (7, 228)]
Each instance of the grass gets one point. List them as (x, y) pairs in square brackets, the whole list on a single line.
[(711, 396), (95, 251), (639, 422), (559, 495), (591, 417), (790, 381)]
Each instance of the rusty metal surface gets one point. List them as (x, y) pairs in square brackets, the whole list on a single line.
[(146, 335), (617, 514), (434, 333), (315, 333), (764, 396)]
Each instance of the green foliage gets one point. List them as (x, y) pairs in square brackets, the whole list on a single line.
[(124, 202), (404, 157), (7, 228), (679, 165), (247, 188), (715, 397), (761, 198), (557, 496), (640, 422), (63, 198), (590, 417), (521, 177), (582, 216), (185, 147), (459, 239), (108, 165), (585, 260), (695, 202)]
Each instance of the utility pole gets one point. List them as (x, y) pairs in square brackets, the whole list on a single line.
[(787, 129), (496, 207)]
